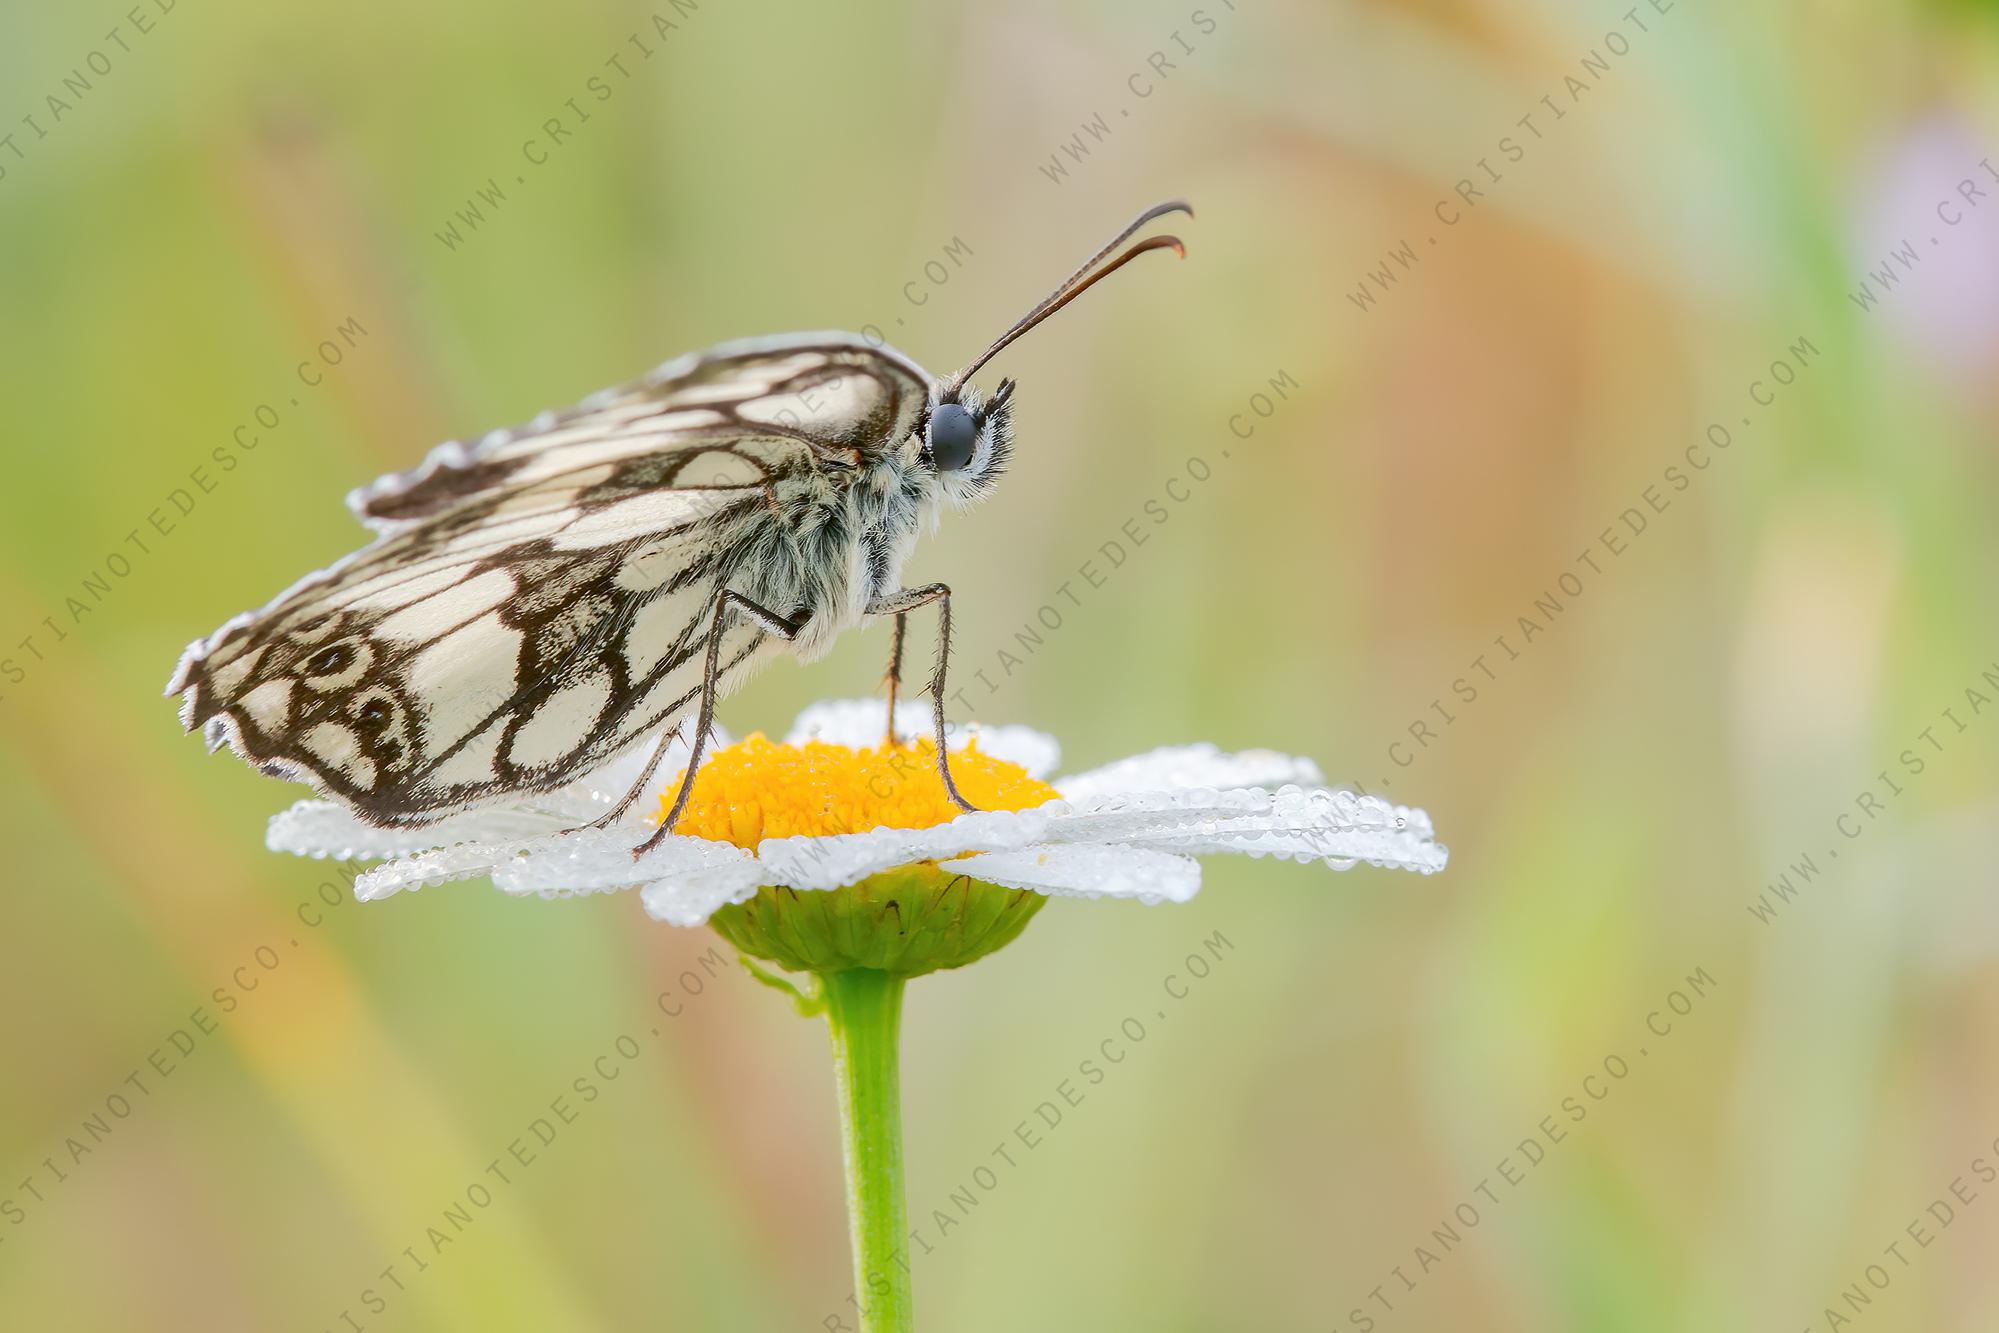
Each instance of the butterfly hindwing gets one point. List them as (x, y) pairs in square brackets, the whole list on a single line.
[(540, 601)]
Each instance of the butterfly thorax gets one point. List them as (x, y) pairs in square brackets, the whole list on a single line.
[(839, 545)]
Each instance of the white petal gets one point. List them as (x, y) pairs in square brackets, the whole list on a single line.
[(600, 860), (1038, 753), (858, 723), (1180, 767), (1114, 818), (467, 860), (830, 862), (323, 828), (1338, 828), (1089, 872), (690, 898)]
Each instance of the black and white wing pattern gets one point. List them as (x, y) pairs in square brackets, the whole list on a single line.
[(539, 601)]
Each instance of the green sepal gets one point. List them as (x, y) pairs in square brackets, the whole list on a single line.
[(906, 922)]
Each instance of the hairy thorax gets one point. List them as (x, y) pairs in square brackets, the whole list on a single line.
[(843, 544)]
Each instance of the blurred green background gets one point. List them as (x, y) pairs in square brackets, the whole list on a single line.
[(1497, 272)]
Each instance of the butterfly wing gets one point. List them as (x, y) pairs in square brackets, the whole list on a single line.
[(833, 393), (539, 601)]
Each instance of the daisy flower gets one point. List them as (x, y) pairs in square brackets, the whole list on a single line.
[(840, 857), (831, 807)]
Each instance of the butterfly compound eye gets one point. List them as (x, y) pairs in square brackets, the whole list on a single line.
[(953, 437)]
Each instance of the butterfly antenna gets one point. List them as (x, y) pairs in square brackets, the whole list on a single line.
[(1076, 284)]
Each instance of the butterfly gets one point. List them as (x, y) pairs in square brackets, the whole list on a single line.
[(550, 598)]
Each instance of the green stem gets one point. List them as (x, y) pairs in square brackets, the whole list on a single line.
[(864, 1013)]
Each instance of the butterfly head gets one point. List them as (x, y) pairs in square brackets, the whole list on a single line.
[(967, 440)]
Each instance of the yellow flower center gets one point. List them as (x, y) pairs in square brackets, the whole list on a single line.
[(757, 789)]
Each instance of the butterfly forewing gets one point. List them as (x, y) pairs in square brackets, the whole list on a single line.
[(539, 601)]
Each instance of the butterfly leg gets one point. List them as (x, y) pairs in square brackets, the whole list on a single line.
[(771, 623), (894, 676), (900, 604), (639, 788)]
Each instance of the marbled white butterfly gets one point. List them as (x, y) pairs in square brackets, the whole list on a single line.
[(537, 603)]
